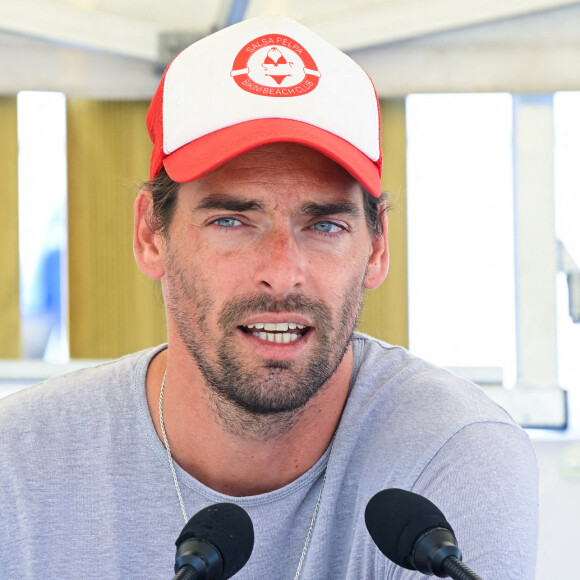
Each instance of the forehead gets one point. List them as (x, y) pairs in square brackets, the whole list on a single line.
[(283, 171)]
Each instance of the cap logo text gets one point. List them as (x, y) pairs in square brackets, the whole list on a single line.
[(274, 65)]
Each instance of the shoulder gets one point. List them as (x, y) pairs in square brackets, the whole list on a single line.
[(401, 380), (415, 426), (409, 412), (72, 399)]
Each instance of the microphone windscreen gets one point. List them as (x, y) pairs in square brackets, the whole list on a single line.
[(229, 528), (396, 519)]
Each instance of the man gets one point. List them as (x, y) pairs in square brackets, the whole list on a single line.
[(264, 221)]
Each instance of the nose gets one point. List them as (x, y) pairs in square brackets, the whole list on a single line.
[(280, 264)]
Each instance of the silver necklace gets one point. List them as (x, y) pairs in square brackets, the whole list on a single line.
[(169, 457), (180, 497)]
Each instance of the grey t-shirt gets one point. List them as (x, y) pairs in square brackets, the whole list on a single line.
[(86, 490)]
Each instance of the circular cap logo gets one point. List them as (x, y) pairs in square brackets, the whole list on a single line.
[(274, 65)]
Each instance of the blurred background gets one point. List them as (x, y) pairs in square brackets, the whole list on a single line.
[(480, 104)]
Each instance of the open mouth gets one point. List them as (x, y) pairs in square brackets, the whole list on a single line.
[(278, 332)]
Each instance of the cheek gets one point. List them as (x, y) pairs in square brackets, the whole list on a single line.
[(342, 268), (339, 287)]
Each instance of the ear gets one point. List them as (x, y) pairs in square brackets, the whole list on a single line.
[(147, 245), (378, 264)]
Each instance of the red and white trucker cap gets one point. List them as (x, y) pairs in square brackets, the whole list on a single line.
[(264, 80)]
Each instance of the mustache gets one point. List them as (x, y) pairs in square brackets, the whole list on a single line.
[(242, 306)]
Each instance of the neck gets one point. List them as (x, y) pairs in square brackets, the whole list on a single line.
[(227, 449)]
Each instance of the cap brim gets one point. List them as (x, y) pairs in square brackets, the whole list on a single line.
[(210, 151)]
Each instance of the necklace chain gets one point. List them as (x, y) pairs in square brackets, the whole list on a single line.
[(180, 497), (175, 481), (314, 515)]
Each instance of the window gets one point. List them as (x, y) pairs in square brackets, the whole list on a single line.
[(465, 183), (460, 228), (42, 224), (567, 203)]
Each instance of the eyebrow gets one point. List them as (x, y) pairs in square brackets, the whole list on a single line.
[(228, 203), (333, 208), (224, 202)]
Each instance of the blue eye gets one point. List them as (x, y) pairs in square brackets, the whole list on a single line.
[(227, 222), (327, 227)]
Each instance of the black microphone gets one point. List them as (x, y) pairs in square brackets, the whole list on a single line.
[(413, 533), (214, 544)]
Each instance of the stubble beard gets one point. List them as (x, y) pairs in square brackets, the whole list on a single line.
[(266, 400)]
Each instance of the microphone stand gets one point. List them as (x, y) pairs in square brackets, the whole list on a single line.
[(436, 552), (457, 570), (198, 560), (187, 573)]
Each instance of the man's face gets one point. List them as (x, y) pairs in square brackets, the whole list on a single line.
[(265, 264)]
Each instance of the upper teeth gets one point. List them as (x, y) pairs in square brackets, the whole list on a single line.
[(280, 326)]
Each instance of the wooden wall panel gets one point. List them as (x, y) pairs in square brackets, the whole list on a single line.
[(386, 310), (113, 308), (9, 270)]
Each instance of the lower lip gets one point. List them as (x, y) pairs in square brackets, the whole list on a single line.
[(276, 350)]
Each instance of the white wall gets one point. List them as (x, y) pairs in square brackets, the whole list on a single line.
[(559, 464)]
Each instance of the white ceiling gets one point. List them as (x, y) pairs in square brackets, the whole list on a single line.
[(114, 48)]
